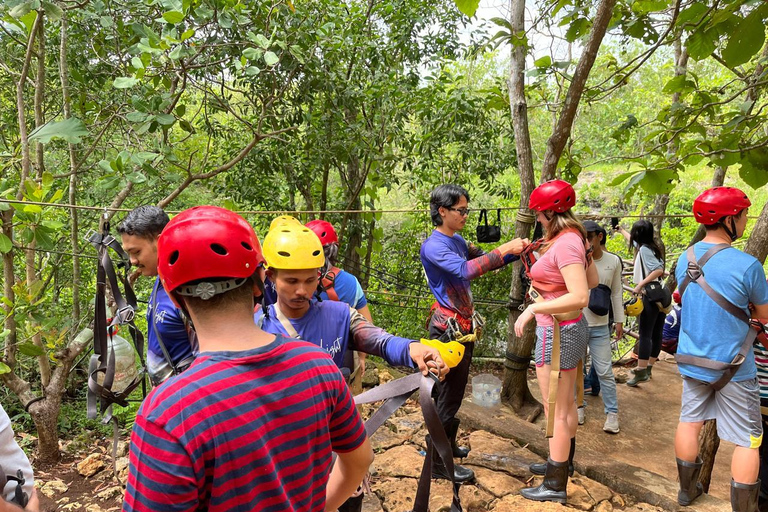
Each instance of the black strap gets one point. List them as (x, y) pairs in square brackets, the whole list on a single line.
[(483, 217), (498, 217), (160, 342), (695, 274), (395, 394)]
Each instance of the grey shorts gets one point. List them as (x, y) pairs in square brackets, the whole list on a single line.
[(736, 408), (574, 337)]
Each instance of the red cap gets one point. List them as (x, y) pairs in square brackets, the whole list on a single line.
[(676, 297), (324, 231), (715, 203), (206, 242), (555, 195)]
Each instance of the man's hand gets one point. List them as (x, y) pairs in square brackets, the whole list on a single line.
[(428, 358), (515, 246), (33, 505), (619, 330)]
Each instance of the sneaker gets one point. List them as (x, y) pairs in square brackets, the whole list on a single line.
[(611, 423), (581, 415)]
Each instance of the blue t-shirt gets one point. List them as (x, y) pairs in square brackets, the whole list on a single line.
[(270, 293), (165, 315), (672, 324), (348, 289), (336, 328), (707, 330)]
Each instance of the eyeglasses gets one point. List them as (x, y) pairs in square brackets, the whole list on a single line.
[(462, 211)]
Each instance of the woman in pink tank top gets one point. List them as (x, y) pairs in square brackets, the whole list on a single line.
[(560, 275)]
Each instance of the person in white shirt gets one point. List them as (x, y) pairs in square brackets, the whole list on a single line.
[(608, 294)]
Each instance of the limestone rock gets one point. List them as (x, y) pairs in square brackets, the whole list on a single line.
[(122, 449), (371, 503), (618, 501), (497, 483), (516, 503), (597, 491), (473, 499), (643, 507), (385, 438), (578, 497), (408, 425), (371, 378), (604, 506), (621, 375), (109, 493), (122, 468), (53, 488), (385, 376), (499, 454), (400, 461), (91, 465), (396, 494)]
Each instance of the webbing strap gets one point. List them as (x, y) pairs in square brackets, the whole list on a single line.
[(695, 274), (287, 325), (554, 378), (328, 282), (395, 394)]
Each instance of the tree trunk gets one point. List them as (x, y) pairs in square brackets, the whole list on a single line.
[(562, 131), (45, 414), (708, 445), (515, 392)]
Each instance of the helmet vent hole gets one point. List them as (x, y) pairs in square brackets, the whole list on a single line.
[(246, 246), (174, 257), (219, 249), (284, 254), (324, 234), (316, 253)]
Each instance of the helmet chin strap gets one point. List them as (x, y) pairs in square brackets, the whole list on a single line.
[(732, 233)]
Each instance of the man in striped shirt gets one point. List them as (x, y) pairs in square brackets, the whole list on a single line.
[(254, 421)]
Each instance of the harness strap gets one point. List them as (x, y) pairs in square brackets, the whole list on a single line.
[(287, 325), (329, 283), (160, 342), (695, 274), (396, 393)]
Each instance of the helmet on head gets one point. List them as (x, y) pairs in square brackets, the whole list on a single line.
[(633, 307), (555, 195), (718, 202), (292, 247), (283, 220), (324, 231), (207, 242), (676, 297)]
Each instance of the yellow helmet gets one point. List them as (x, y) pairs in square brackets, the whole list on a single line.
[(633, 307), (283, 220), (293, 247)]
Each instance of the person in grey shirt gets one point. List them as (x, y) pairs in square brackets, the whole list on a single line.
[(608, 267), (13, 459)]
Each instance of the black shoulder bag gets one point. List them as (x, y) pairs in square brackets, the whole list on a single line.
[(488, 233)]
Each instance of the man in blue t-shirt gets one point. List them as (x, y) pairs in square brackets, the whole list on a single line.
[(450, 264), (171, 345), (710, 340)]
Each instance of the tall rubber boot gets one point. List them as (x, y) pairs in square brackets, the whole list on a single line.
[(452, 430), (641, 375), (553, 488), (460, 473), (539, 468), (744, 496), (690, 487)]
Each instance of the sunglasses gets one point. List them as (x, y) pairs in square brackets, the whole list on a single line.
[(462, 211)]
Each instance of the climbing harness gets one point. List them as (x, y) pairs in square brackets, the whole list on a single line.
[(328, 281), (695, 274), (20, 498)]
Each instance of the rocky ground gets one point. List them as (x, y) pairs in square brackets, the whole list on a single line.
[(86, 482)]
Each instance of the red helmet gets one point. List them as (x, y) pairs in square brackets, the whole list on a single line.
[(677, 298), (324, 231), (206, 242), (555, 195), (715, 203)]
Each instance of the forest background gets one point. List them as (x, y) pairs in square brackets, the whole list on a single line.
[(354, 111)]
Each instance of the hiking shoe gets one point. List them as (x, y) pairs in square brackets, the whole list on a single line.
[(641, 375), (611, 423), (580, 411)]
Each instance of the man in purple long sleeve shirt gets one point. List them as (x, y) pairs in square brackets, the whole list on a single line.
[(450, 264)]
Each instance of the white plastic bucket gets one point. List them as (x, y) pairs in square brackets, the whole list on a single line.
[(486, 390)]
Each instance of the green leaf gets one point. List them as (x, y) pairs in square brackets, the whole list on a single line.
[(692, 13), (753, 176), (4, 368), (47, 179), (137, 117), (53, 11), (5, 244), (658, 182), (746, 40), (578, 28), (187, 34), (165, 119), (70, 130), (22, 9), (543, 62), (270, 59), (30, 349), (125, 82), (136, 177), (468, 7), (173, 17), (647, 6), (252, 53), (702, 43)]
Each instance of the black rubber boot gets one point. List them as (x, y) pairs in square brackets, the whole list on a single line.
[(744, 496), (460, 473), (353, 504), (554, 485), (690, 487), (539, 468), (452, 430)]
